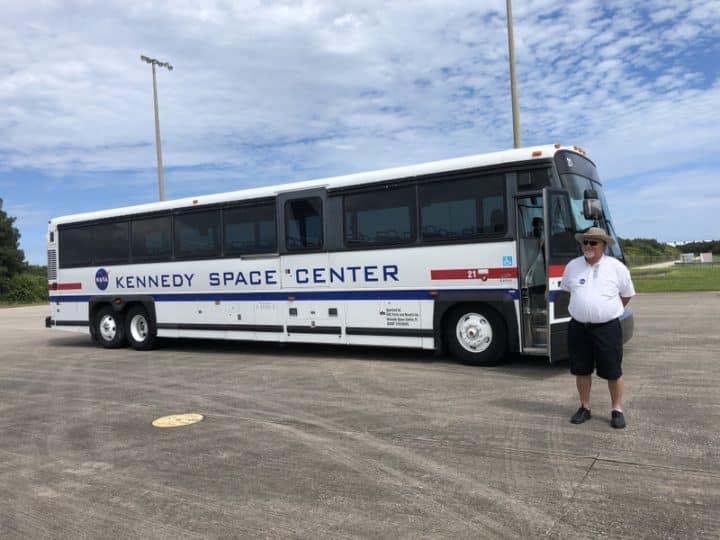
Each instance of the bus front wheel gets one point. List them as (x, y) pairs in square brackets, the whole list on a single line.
[(109, 328), (476, 334), (140, 329)]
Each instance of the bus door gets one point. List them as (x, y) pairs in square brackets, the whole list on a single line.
[(559, 249), (532, 274), (304, 266)]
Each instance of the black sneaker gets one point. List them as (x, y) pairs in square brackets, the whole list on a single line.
[(618, 420), (581, 415)]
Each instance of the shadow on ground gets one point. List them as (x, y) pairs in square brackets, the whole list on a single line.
[(514, 364)]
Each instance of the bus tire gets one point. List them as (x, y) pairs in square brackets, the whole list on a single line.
[(109, 328), (476, 334), (141, 332)]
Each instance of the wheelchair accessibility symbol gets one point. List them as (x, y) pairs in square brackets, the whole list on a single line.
[(507, 260)]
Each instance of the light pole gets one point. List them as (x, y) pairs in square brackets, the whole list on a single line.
[(513, 82), (161, 181)]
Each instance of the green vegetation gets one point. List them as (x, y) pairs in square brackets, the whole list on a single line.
[(640, 251), (20, 283), (25, 288), (11, 256), (675, 278), (702, 247), (678, 278)]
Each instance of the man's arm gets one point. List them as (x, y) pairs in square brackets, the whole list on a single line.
[(626, 285)]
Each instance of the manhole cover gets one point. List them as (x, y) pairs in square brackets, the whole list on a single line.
[(177, 420)]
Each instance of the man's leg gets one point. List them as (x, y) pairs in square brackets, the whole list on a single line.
[(616, 388), (581, 365), (583, 383)]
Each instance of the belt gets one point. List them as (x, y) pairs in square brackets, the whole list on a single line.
[(593, 325)]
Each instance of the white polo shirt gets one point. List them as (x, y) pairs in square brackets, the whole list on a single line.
[(595, 290)]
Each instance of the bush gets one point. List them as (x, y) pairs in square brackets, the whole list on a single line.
[(24, 289)]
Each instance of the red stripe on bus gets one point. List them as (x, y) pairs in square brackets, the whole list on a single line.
[(556, 270), (64, 286), (474, 273)]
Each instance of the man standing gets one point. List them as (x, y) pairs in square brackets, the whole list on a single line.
[(600, 287)]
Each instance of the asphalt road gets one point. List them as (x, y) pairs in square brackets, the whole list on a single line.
[(321, 442)]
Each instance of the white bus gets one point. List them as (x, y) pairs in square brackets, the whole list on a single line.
[(463, 255)]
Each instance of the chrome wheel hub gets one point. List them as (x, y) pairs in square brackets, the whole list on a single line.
[(108, 328), (474, 332), (139, 328)]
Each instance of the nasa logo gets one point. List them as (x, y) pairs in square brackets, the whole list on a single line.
[(102, 279)]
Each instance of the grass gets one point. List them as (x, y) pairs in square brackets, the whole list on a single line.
[(678, 278)]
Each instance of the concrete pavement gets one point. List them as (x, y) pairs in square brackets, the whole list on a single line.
[(323, 442)]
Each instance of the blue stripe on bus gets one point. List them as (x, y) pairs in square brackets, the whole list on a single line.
[(300, 295)]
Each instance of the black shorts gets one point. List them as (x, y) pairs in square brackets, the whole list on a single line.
[(596, 347)]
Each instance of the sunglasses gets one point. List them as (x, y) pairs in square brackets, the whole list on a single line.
[(592, 243)]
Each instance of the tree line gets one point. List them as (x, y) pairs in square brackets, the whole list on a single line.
[(20, 282), (711, 246), (648, 250)]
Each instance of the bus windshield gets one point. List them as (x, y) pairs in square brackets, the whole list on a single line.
[(576, 185), (577, 173)]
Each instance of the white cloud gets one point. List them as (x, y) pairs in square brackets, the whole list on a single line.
[(669, 206), (274, 91)]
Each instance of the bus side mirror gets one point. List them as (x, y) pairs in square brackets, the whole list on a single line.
[(592, 208)]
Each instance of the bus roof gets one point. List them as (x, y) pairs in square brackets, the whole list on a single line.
[(409, 171)]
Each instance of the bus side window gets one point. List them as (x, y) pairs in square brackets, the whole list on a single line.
[(378, 217), (151, 238), (249, 229), (111, 243), (75, 246), (304, 224), (497, 221), (462, 208), (197, 234)]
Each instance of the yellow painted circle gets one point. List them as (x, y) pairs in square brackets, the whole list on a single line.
[(177, 420)]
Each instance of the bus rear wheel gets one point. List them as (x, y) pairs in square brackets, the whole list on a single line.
[(109, 328), (476, 335), (140, 329)]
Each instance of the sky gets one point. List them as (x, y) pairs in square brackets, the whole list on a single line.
[(265, 92)]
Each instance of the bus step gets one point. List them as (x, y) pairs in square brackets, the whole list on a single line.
[(535, 350), (540, 334)]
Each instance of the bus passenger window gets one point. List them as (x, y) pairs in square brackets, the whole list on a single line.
[(303, 224), (462, 209), (197, 234), (250, 229), (151, 239), (75, 247), (497, 221), (379, 217), (110, 243)]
